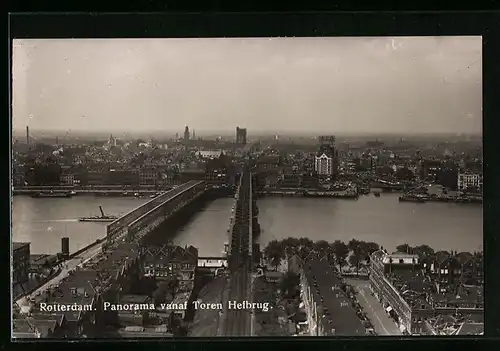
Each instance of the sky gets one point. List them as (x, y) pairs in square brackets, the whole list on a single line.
[(327, 85)]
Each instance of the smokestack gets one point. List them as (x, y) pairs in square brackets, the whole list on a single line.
[(27, 135)]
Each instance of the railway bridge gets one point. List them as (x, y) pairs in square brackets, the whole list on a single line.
[(235, 321)]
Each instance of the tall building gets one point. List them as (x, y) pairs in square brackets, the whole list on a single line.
[(469, 180), (194, 135), (27, 135), (20, 262), (241, 136), (186, 133), (326, 140), (326, 160)]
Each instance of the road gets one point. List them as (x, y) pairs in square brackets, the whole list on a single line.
[(67, 267), (382, 323)]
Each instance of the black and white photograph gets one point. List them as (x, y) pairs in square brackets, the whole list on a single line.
[(247, 187)]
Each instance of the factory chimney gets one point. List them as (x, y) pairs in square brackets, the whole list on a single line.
[(27, 135)]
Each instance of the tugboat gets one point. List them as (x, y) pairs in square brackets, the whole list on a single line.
[(101, 218), (51, 194)]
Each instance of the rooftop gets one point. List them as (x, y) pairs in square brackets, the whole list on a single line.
[(141, 332), (471, 329), (17, 246)]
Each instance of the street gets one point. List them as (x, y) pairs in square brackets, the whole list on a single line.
[(382, 323), (67, 267)]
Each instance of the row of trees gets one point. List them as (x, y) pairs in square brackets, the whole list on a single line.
[(424, 251), (335, 252)]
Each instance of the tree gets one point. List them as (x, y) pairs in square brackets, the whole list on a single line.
[(160, 293), (368, 249), (172, 284), (341, 251), (354, 260), (403, 248), (290, 245), (322, 247), (423, 251), (274, 252), (306, 242), (289, 285), (354, 245)]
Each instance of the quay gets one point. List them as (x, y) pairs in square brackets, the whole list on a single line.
[(30, 190), (309, 193)]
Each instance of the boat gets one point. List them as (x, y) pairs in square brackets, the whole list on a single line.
[(51, 194), (411, 199), (101, 218), (377, 194)]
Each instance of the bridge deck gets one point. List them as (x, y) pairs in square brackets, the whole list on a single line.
[(128, 218), (167, 198)]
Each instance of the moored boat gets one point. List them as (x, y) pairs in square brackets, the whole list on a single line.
[(411, 199), (51, 194)]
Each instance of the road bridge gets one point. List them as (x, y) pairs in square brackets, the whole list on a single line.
[(137, 221)]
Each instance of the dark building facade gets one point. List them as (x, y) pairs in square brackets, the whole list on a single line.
[(186, 133), (430, 169), (241, 136), (20, 262), (65, 247)]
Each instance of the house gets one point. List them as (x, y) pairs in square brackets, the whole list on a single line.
[(169, 260)]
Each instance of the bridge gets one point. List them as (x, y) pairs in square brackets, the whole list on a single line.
[(146, 217), (239, 322), (101, 273)]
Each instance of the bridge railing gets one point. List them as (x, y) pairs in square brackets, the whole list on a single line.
[(138, 221), (139, 211)]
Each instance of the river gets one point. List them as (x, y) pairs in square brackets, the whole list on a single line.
[(44, 221), (384, 220)]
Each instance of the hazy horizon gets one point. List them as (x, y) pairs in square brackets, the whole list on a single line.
[(368, 86)]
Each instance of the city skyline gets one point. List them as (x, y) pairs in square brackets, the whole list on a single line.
[(406, 85)]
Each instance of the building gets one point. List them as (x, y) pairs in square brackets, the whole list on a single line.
[(209, 154), (469, 180), (20, 262), (241, 136), (268, 163), (429, 169), (329, 310), (412, 291), (67, 178), (165, 261), (186, 133), (148, 176), (122, 177), (326, 159), (326, 140)]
